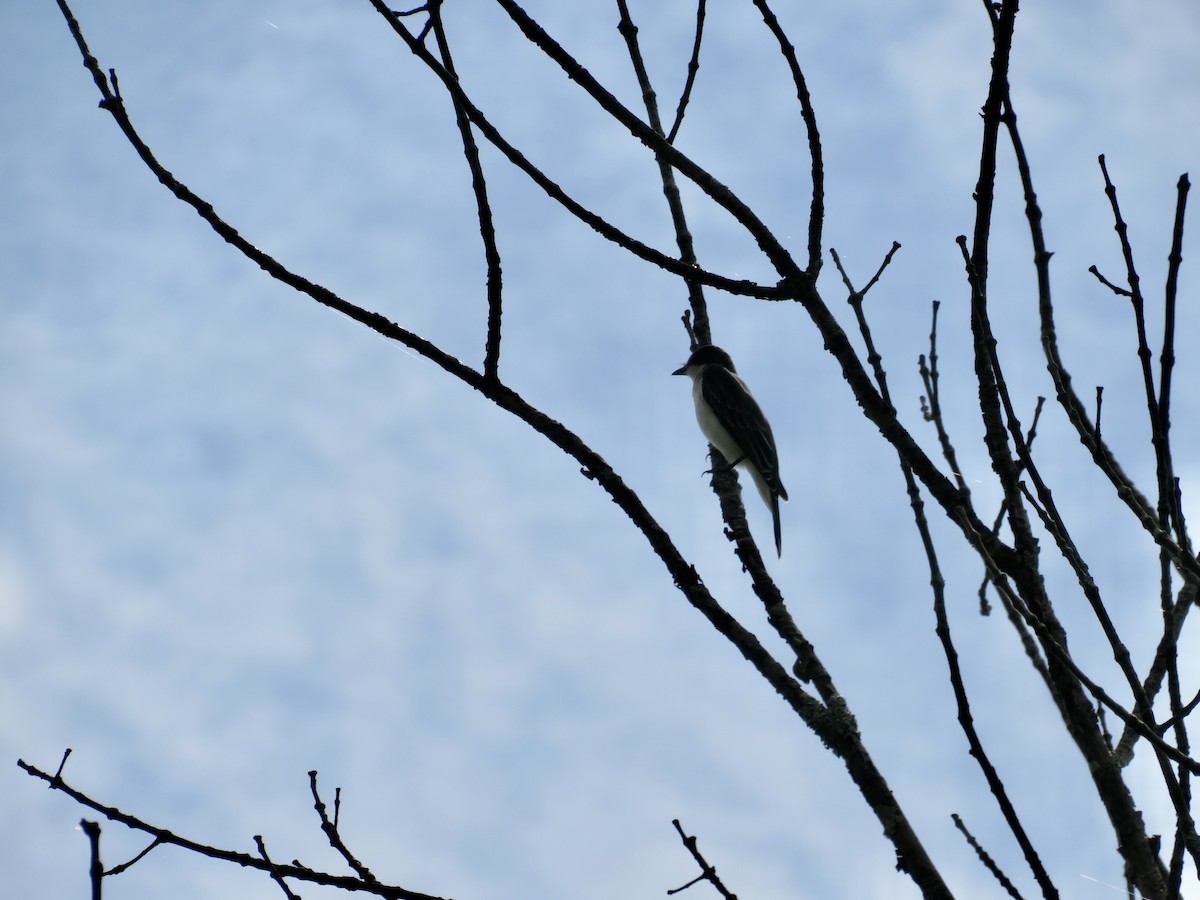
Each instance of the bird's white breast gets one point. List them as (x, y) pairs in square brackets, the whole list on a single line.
[(712, 427)]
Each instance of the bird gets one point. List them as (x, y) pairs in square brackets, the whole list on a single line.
[(732, 421)]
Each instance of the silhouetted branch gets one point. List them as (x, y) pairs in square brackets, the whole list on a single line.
[(707, 873), (816, 216), (276, 875), (1158, 433), (855, 299), (330, 827), (986, 858), (487, 227), (966, 718), (693, 67), (931, 379), (683, 235), (247, 860), (128, 864), (1171, 293), (95, 867)]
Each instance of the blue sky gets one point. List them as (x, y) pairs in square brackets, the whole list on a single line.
[(243, 538)]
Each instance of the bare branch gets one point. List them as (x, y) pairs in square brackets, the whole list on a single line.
[(966, 718), (276, 875), (1158, 433), (331, 830), (487, 228), (816, 218), (95, 867), (692, 68), (931, 378), (1115, 288), (163, 836), (708, 873), (855, 299), (683, 235), (1171, 293), (117, 870), (986, 858)]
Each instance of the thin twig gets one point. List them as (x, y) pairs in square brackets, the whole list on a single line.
[(692, 68), (61, 765), (118, 869), (683, 235), (276, 875), (483, 207), (1173, 504), (855, 299), (816, 215), (330, 827), (986, 858), (1154, 397), (1170, 298), (707, 873), (930, 378), (1152, 683), (1115, 288), (1052, 521), (966, 718)]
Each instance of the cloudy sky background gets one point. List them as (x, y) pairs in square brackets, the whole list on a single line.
[(242, 538)]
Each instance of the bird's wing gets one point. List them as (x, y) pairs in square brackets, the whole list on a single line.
[(736, 409)]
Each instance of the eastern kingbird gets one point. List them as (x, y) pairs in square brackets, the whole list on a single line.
[(730, 418)]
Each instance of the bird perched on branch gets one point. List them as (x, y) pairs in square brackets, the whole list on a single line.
[(732, 421)]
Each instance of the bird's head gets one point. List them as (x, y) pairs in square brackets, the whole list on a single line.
[(705, 355)]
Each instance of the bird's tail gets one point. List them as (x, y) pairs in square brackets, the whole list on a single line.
[(778, 532), (771, 498)]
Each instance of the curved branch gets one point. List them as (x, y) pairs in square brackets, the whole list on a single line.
[(816, 219), (487, 228), (693, 67)]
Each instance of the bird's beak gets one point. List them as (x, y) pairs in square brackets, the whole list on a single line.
[(682, 370)]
